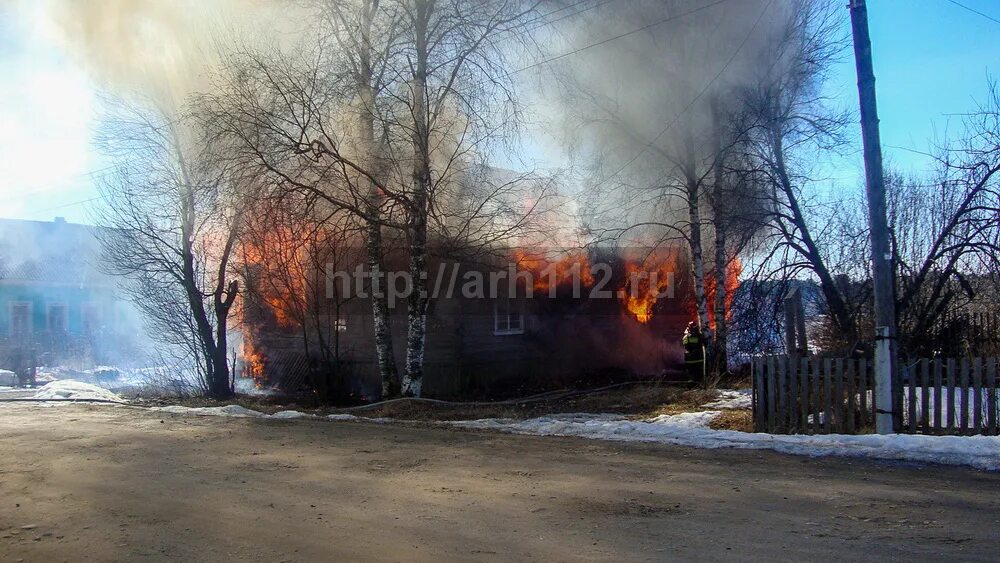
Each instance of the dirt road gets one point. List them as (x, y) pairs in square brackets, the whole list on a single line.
[(110, 483)]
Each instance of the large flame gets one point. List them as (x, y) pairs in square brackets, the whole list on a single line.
[(647, 280), (275, 265), (733, 270)]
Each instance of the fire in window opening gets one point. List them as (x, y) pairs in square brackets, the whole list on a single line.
[(508, 317)]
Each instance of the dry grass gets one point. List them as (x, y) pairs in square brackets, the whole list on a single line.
[(738, 420), (639, 399)]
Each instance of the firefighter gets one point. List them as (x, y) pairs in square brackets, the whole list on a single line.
[(694, 352)]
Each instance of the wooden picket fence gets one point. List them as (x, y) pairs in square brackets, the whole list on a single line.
[(836, 395)]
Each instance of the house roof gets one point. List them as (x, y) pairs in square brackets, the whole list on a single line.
[(49, 252)]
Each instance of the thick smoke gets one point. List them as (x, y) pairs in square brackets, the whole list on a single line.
[(164, 51), (637, 110)]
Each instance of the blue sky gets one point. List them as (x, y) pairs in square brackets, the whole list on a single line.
[(932, 58)]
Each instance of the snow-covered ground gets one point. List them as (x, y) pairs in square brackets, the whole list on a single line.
[(691, 429), (75, 390), (732, 399)]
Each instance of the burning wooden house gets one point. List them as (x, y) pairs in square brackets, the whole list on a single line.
[(573, 315)]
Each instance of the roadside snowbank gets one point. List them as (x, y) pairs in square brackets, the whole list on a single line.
[(690, 429), (75, 390)]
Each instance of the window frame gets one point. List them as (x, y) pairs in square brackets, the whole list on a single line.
[(65, 316), (514, 310), (30, 321)]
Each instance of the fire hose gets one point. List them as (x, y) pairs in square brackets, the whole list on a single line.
[(547, 396)]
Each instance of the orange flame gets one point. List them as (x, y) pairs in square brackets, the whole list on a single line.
[(272, 256), (648, 280), (548, 273), (733, 271)]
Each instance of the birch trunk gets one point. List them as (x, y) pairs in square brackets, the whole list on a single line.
[(416, 328), (388, 373), (697, 260), (693, 193)]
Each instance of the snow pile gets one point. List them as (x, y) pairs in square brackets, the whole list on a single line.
[(690, 429), (731, 399), (76, 391)]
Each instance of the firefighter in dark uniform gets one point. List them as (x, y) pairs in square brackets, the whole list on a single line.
[(694, 352)]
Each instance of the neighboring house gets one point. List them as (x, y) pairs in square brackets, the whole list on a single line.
[(55, 305)]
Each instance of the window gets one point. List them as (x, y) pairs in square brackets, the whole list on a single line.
[(20, 318), (508, 317), (340, 325), (90, 318), (56, 319)]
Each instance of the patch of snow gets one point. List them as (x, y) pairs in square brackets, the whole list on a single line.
[(690, 429), (235, 411), (352, 418), (686, 419), (291, 414), (75, 390), (732, 399)]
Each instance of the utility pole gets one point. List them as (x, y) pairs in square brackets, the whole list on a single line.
[(882, 275)]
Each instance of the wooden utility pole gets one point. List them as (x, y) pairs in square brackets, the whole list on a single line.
[(882, 275)]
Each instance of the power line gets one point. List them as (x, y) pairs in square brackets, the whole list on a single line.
[(571, 14), (616, 37), (540, 17), (696, 98), (974, 11), (70, 204)]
